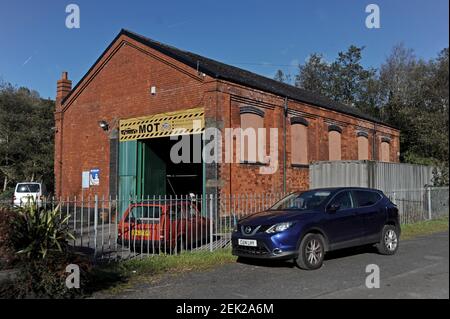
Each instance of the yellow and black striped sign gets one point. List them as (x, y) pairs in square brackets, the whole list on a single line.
[(185, 122)]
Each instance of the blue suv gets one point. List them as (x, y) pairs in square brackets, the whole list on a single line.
[(304, 226)]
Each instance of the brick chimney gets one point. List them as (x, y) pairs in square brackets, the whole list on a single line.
[(64, 86)]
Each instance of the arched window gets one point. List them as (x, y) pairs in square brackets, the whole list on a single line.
[(363, 146), (385, 152), (334, 143), (252, 118), (299, 141)]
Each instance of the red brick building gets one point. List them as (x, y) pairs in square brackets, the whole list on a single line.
[(137, 81)]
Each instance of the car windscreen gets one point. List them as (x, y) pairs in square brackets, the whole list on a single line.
[(302, 201), (28, 188)]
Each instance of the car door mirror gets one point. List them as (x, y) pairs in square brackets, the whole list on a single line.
[(333, 208)]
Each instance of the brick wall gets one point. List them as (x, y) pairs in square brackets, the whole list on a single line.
[(245, 178), (118, 88)]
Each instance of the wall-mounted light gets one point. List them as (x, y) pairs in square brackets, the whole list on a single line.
[(153, 90), (103, 125)]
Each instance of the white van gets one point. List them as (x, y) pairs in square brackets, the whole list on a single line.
[(24, 192)]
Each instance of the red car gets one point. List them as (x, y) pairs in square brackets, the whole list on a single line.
[(162, 226)]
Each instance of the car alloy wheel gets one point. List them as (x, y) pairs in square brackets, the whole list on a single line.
[(390, 240), (311, 252), (314, 252)]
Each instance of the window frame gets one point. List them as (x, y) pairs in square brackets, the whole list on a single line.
[(363, 134), (337, 129), (367, 191), (248, 109), (327, 206), (388, 141), (297, 120)]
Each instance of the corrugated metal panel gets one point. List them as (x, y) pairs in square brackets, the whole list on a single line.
[(338, 173), (395, 176), (387, 177)]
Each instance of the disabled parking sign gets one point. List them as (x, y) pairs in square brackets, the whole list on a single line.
[(94, 177)]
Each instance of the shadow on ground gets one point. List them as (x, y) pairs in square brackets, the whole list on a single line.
[(342, 253)]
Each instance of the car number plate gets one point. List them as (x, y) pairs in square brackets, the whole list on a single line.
[(140, 232), (247, 242)]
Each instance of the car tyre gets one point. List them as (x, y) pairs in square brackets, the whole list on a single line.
[(311, 252), (389, 241)]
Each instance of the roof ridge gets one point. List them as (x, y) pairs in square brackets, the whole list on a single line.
[(221, 70)]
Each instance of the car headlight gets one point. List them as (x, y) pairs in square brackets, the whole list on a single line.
[(279, 227), (235, 228)]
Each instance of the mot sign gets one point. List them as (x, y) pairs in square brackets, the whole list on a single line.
[(164, 124)]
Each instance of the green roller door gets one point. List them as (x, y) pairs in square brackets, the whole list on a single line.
[(151, 172), (127, 173), (142, 173)]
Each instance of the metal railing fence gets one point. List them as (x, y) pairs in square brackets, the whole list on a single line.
[(112, 228), (421, 204)]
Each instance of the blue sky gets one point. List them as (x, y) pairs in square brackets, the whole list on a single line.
[(261, 36)]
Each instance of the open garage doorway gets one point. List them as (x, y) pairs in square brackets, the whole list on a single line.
[(158, 174)]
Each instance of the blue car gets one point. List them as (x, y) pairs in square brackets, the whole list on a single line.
[(304, 226)]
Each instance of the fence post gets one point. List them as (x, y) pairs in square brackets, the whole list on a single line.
[(211, 222), (429, 202), (95, 223)]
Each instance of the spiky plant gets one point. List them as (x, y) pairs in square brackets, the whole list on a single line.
[(39, 231)]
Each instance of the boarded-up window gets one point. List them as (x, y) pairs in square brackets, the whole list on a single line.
[(299, 141), (385, 151), (334, 143), (252, 119), (363, 146)]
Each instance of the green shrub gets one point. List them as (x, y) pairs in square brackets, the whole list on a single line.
[(7, 254), (7, 196), (37, 232), (40, 239), (46, 278)]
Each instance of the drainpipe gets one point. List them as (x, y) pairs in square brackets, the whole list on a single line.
[(371, 164), (284, 142), (374, 144)]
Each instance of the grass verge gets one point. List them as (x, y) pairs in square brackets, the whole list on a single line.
[(118, 276), (424, 228)]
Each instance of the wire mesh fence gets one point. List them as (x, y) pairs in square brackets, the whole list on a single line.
[(421, 204), (112, 228)]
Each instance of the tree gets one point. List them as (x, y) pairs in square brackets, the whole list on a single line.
[(416, 101), (26, 137), (280, 76), (409, 93), (349, 79), (344, 80), (314, 75)]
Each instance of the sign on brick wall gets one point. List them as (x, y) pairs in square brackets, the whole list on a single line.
[(184, 122)]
